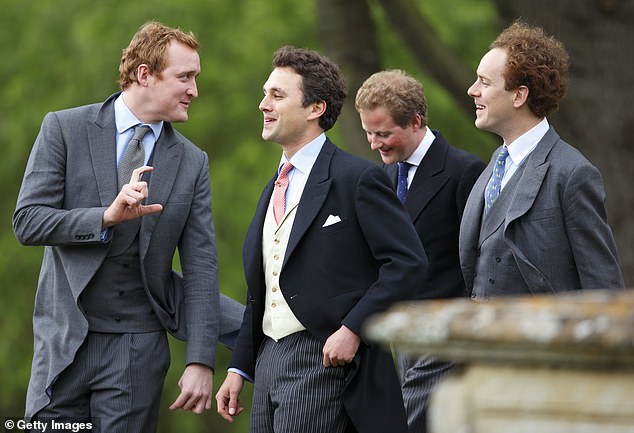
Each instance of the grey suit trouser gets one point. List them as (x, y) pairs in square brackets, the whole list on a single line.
[(115, 382), (293, 392), (418, 378)]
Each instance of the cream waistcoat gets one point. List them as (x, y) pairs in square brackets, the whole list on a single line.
[(279, 320)]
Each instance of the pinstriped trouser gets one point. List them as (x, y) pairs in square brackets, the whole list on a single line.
[(418, 378), (115, 382), (294, 392)]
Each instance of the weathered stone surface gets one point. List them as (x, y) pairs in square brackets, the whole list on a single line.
[(547, 364), (498, 399), (584, 329)]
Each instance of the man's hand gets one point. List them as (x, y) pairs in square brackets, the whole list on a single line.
[(196, 389), (341, 347), (227, 399), (128, 204)]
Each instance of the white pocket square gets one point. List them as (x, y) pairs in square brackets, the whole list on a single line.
[(332, 219)]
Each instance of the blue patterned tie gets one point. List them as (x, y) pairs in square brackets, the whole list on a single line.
[(495, 183), (401, 185)]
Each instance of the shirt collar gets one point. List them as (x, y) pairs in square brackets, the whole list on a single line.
[(419, 153), (305, 157), (525, 143), (124, 119)]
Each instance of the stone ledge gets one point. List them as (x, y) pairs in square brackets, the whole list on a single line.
[(593, 329)]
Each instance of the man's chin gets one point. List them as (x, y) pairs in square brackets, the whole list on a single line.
[(388, 159)]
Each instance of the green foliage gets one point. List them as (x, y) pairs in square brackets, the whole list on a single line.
[(59, 55)]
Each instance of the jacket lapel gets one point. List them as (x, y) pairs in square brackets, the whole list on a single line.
[(532, 178), (470, 225), (167, 155), (428, 179), (313, 197), (102, 142), (524, 190)]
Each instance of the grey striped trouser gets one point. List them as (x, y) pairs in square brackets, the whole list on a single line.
[(115, 382), (293, 392), (418, 378)]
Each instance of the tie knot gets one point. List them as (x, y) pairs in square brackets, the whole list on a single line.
[(403, 168), (504, 152), (285, 169), (140, 131)]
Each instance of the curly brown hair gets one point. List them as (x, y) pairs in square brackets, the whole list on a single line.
[(402, 96), (149, 46), (537, 61), (321, 80)]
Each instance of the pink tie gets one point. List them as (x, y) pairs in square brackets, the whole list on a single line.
[(279, 194)]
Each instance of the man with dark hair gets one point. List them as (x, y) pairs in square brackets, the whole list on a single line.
[(433, 178), (329, 245), (107, 292), (535, 221)]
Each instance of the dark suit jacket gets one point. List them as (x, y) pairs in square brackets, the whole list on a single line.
[(70, 179), (340, 275), (555, 226), (435, 202)]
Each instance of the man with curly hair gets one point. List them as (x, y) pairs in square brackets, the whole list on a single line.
[(535, 221)]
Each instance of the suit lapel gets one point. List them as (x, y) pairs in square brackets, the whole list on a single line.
[(523, 190), (313, 197), (102, 142), (532, 177), (167, 155), (428, 179), (471, 222)]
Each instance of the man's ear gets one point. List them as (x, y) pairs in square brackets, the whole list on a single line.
[(520, 97), (317, 110), (417, 122), (142, 74)]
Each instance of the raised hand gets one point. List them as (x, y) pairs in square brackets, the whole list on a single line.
[(128, 204)]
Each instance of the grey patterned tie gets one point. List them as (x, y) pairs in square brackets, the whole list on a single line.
[(134, 155)]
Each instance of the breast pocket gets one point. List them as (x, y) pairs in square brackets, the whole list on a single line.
[(335, 228)]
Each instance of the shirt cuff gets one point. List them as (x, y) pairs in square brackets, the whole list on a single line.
[(241, 373)]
